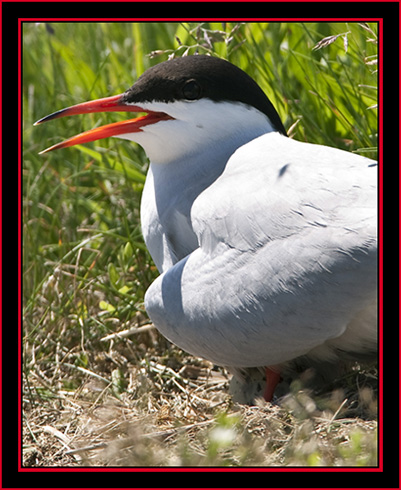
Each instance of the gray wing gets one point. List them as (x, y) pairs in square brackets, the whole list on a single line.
[(287, 257)]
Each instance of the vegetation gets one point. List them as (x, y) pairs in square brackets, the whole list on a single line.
[(101, 386)]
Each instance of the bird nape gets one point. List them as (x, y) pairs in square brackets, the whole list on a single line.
[(266, 246)]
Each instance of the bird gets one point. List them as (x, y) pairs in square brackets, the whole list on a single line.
[(266, 246)]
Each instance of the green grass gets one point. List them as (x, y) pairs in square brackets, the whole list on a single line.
[(85, 266)]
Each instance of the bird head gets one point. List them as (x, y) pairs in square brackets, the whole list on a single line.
[(190, 102)]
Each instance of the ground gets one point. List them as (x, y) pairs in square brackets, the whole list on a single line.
[(175, 410)]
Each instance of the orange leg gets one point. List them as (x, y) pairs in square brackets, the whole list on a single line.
[(272, 380)]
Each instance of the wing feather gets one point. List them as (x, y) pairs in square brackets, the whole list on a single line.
[(287, 257)]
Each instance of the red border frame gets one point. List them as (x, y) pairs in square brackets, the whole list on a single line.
[(379, 468)]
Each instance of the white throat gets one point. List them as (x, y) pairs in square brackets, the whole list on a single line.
[(187, 155), (200, 126)]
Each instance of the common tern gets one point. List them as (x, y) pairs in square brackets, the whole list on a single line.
[(267, 246)]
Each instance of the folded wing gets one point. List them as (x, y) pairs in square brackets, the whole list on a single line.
[(286, 262)]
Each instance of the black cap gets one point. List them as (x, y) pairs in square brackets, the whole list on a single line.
[(201, 76)]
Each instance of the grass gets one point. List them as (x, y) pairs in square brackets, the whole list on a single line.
[(135, 399)]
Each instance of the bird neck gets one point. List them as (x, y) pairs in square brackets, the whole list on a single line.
[(179, 182), (184, 179), (199, 131)]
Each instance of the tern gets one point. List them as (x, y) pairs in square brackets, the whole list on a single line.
[(266, 246)]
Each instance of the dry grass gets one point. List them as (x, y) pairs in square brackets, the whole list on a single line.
[(135, 407)]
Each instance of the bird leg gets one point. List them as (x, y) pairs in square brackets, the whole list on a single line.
[(272, 380)]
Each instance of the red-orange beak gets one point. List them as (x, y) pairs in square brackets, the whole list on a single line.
[(108, 104)]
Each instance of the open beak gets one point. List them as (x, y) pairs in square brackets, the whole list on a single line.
[(107, 104)]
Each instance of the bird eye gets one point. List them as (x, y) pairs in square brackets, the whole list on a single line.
[(192, 90)]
